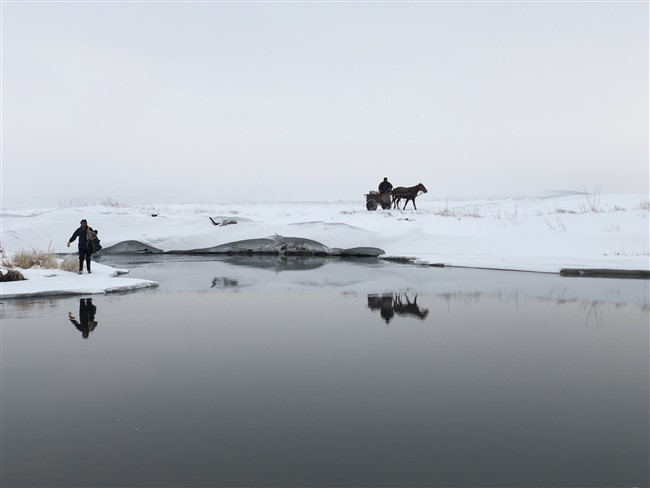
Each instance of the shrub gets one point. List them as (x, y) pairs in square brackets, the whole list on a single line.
[(34, 259), (4, 259), (69, 263), (11, 275), (110, 202), (593, 201), (41, 259)]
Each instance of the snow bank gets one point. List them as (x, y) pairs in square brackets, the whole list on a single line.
[(544, 234), (58, 282)]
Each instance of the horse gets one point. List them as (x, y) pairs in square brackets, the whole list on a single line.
[(408, 193)]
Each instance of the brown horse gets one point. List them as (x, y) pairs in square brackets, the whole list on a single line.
[(408, 193)]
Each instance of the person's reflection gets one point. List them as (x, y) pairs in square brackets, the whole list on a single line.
[(86, 323), (383, 303)]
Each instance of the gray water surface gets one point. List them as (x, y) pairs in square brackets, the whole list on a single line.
[(328, 373)]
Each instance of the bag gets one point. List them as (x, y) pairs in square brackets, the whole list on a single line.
[(95, 246), (93, 241)]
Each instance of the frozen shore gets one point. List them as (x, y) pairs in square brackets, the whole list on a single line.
[(543, 234)]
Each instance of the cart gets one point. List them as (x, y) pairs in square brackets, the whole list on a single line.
[(374, 199)]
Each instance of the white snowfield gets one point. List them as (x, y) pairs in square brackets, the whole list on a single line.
[(542, 234), (49, 282)]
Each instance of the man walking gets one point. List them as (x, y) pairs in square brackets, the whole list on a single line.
[(83, 233)]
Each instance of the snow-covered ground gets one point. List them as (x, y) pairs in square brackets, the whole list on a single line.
[(46, 282), (543, 234)]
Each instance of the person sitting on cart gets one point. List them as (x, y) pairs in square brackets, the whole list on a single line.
[(385, 186)]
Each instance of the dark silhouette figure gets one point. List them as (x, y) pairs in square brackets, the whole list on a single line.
[(385, 186), (86, 235), (86, 323), (383, 303), (390, 305)]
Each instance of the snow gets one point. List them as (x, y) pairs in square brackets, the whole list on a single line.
[(51, 282), (543, 234)]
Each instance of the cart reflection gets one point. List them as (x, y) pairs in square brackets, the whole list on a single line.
[(391, 304)]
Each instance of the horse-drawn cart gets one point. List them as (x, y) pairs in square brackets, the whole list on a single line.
[(392, 198), (375, 199)]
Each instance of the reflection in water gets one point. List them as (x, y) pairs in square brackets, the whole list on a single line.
[(391, 304), (86, 323), (224, 282), (256, 261), (296, 384), (277, 263), (26, 308), (595, 314), (594, 310)]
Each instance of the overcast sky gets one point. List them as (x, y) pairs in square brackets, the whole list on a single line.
[(189, 102)]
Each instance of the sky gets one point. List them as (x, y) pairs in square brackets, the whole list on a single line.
[(137, 102)]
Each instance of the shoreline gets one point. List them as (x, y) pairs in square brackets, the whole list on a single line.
[(44, 280)]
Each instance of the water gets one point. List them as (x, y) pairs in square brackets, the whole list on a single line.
[(257, 372)]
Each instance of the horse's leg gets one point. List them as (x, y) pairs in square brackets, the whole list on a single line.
[(410, 200)]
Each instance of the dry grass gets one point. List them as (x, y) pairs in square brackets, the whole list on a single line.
[(110, 202), (69, 263), (41, 259), (35, 259)]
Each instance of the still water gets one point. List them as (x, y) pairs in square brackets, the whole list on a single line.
[(262, 372)]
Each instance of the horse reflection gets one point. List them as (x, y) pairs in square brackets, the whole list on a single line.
[(86, 323), (390, 304)]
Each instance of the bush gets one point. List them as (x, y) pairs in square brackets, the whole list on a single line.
[(35, 259), (42, 259), (69, 263), (11, 275)]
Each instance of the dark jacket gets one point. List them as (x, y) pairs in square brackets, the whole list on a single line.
[(385, 187), (81, 234)]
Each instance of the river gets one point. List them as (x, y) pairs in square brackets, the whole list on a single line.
[(318, 372)]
